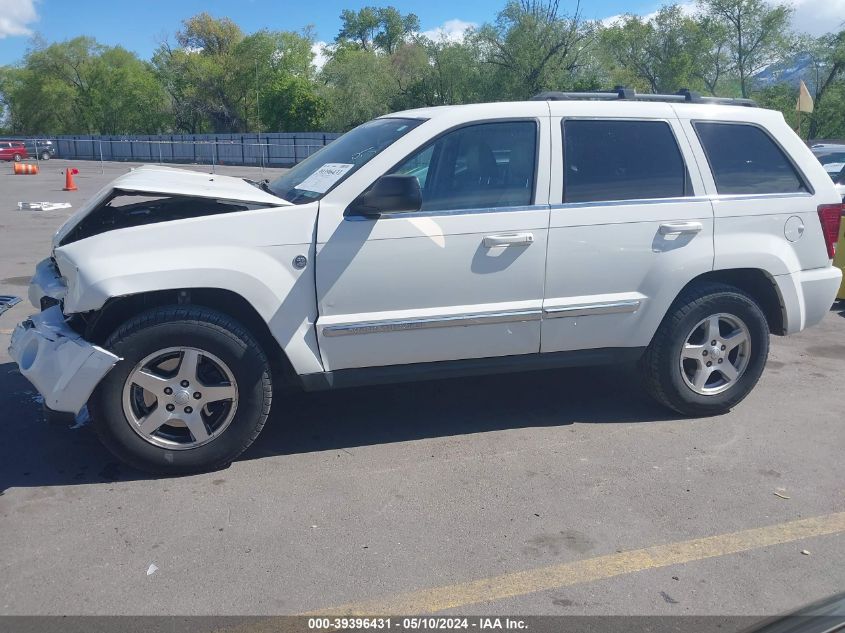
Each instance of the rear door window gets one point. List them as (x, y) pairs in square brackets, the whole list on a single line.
[(745, 160), (607, 160)]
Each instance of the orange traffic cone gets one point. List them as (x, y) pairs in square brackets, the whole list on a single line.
[(70, 172)]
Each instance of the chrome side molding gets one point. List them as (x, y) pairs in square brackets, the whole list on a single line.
[(590, 309), (516, 316), (399, 325)]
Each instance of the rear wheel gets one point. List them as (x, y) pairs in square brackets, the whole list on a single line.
[(708, 352), (45, 156), (191, 393), (17, 158)]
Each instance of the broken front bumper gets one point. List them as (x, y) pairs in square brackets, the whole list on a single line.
[(64, 367)]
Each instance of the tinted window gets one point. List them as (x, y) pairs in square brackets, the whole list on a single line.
[(621, 160), (476, 167), (744, 159)]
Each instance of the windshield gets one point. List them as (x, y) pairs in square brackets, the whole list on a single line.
[(321, 172)]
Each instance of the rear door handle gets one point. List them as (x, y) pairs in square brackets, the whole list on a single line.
[(508, 239), (670, 228)]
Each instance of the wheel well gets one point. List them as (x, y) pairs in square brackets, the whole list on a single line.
[(100, 324), (755, 283)]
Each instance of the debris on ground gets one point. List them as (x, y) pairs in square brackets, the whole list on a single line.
[(7, 301), (152, 569), (781, 495), (805, 552), (43, 206), (83, 418)]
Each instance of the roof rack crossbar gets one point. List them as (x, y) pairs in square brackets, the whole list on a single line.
[(629, 94)]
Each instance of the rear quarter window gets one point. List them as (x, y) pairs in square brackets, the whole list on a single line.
[(610, 160), (745, 160)]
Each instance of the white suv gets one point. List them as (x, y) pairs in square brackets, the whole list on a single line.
[(484, 238)]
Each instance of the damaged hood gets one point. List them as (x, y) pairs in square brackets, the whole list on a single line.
[(155, 179)]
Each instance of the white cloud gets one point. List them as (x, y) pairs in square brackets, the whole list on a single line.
[(16, 16), (687, 8), (818, 16), (450, 31), (811, 16), (320, 54)]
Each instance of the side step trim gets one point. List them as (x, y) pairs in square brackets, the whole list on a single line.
[(469, 367)]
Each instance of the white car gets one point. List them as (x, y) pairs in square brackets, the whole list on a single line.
[(676, 232)]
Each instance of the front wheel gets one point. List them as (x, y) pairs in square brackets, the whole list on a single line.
[(708, 352), (17, 158), (45, 156), (191, 393)]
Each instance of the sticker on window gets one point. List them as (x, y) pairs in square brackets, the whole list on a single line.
[(834, 167), (322, 179)]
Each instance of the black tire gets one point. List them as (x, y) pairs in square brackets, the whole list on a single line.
[(660, 365), (45, 156), (183, 326), (17, 158)]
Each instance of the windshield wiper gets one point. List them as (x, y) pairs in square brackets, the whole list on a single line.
[(264, 185)]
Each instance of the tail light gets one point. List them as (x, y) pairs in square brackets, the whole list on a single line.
[(829, 216)]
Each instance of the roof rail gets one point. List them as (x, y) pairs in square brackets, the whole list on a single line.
[(629, 94)]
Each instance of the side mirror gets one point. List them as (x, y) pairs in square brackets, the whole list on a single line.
[(392, 193)]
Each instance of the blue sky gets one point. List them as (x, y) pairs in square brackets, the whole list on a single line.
[(139, 25)]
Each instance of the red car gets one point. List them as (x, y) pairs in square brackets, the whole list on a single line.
[(13, 150)]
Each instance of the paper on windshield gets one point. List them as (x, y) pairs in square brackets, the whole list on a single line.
[(834, 167), (322, 179)]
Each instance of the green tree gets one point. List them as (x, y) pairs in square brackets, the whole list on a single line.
[(534, 47), (376, 28), (395, 29), (359, 27), (662, 54), (221, 80), (713, 58), (80, 86), (759, 34), (827, 56), (357, 86)]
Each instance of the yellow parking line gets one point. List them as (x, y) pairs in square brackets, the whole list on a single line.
[(589, 570)]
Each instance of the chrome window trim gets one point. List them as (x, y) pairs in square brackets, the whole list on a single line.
[(762, 196), (424, 323), (425, 214), (639, 201), (590, 309)]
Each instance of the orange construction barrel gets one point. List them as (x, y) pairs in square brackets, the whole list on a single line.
[(25, 169)]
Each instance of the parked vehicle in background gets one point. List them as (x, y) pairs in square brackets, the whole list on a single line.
[(832, 158), (675, 231), (43, 149), (13, 150)]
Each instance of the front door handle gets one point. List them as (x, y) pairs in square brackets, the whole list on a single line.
[(671, 228), (508, 239)]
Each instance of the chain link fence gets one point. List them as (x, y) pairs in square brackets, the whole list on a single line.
[(264, 150)]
